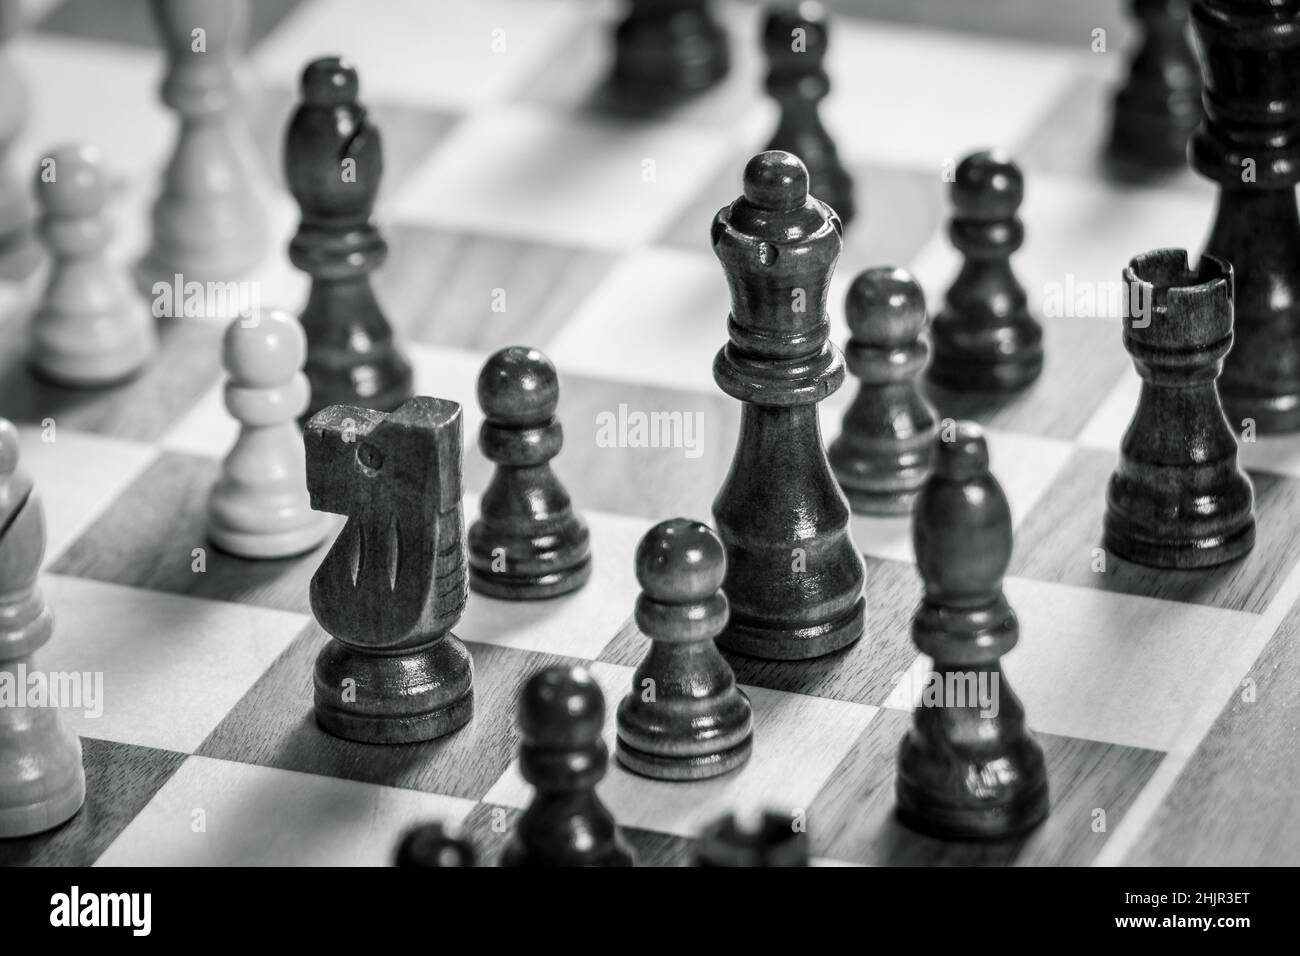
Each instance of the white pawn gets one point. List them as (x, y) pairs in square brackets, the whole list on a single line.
[(90, 328), (42, 782), (259, 507)]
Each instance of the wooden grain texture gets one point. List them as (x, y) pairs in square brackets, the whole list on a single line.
[(1082, 362), (147, 536), (489, 828), (187, 364), (120, 780), (1060, 540), (464, 290), (273, 726), (1234, 804), (865, 673), (853, 817)]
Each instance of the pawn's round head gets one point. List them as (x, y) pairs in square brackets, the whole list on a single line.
[(962, 453), (562, 707), (264, 349), (781, 36), (433, 845), (518, 387), (70, 181), (776, 181), (330, 81), (680, 561), (988, 185), (885, 308), (9, 448)]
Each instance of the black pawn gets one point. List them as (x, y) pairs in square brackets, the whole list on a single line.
[(561, 716), (795, 39), (1178, 498), (968, 769), (773, 841), (528, 542), (333, 162), (685, 718), (433, 845), (985, 340), (1159, 105), (882, 455), (666, 51)]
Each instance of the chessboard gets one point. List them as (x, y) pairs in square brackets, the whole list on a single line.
[(519, 211)]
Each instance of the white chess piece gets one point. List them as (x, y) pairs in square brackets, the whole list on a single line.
[(90, 328), (42, 782), (259, 507)]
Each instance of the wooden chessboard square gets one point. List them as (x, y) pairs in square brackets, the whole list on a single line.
[(489, 829), (120, 780), (1025, 466), (1083, 116), (1080, 647), (59, 461), (415, 52), (274, 725), (129, 21), (147, 538), (221, 813), (523, 172), (940, 117), (1079, 237), (865, 673), (659, 316), (141, 409), (171, 667), (1060, 542), (1080, 369), (469, 290), (1233, 804), (578, 624), (75, 92), (1092, 787), (1051, 21), (574, 77), (899, 209), (798, 740)]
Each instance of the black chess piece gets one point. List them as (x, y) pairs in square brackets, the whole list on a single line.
[(985, 340), (794, 576), (528, 542), (968, 768), (685, 718), (1249, 145), (561, 715), (1159, 105), (772, 840), (1178, 498), (666, 51), (394, 582), (795, 39), (333, 161), (434, 845), (882, 455)]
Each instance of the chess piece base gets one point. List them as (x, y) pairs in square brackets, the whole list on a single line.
[(522, 587), (690, 767), (794, 644), (968, 373), (97, 370), (263, 546), (947, 822), (1186, 554), (51, 785), (394, 697)]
